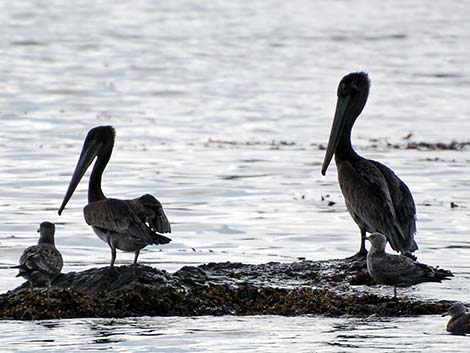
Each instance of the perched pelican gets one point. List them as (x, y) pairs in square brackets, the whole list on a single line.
[(376, 198), (459, 322), (398, 270), (128, 225), (41, 263)]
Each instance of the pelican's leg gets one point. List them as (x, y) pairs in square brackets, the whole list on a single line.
[(135, 257), (361, 255), (48, 288), (363, 250), (113, 256), (394, 292), (135, 261)]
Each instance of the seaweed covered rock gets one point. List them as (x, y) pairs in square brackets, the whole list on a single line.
[(305, 287)]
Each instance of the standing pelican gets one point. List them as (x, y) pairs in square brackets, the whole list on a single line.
[(128, 225), (376, 198)]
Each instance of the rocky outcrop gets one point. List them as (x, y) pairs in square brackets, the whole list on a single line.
[(333, 287)]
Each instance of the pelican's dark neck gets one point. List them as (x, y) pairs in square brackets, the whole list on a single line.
[(345, 151), (94, 186)]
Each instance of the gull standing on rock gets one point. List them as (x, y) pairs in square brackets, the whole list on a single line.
[(41, 263), (128, 225), (398, 270), (376, 198), (459, 322)]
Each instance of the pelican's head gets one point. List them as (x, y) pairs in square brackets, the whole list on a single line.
[(353, 91), (456, 310), (98, 142), (378, 241), (46, 230)]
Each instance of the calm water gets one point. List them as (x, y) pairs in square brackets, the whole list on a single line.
[(219, 109)]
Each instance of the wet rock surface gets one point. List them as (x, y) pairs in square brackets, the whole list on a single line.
[(333, 287)]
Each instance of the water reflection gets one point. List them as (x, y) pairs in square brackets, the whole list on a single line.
[(250, 334)]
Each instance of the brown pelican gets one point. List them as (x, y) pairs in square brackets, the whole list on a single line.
[(398, 270), (376, 198), (128, 225), (41, 263), (459, 322)]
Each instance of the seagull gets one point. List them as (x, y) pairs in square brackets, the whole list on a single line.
[(41, 263), (459, 322), (398, 270)]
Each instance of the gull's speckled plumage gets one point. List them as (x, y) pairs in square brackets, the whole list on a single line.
[(397, 270), (41, 263)]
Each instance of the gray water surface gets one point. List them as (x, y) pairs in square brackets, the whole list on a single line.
[(234, 334), (220, 109)]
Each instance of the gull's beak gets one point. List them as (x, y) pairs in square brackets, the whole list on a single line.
[(89, 152), (341, 116)]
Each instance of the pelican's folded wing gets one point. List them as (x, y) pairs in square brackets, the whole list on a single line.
[(403, 203), (113, 215), (154, 214), (368, 197)]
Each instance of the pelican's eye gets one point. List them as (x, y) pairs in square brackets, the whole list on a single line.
[(343, 89), (354, 88)]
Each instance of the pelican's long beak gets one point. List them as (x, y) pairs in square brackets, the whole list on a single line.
[(89, 152), (341, 115)]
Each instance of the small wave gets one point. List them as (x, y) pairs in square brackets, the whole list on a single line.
[(27, 43)]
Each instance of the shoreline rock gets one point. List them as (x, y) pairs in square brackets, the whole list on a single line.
[(299, 288)]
